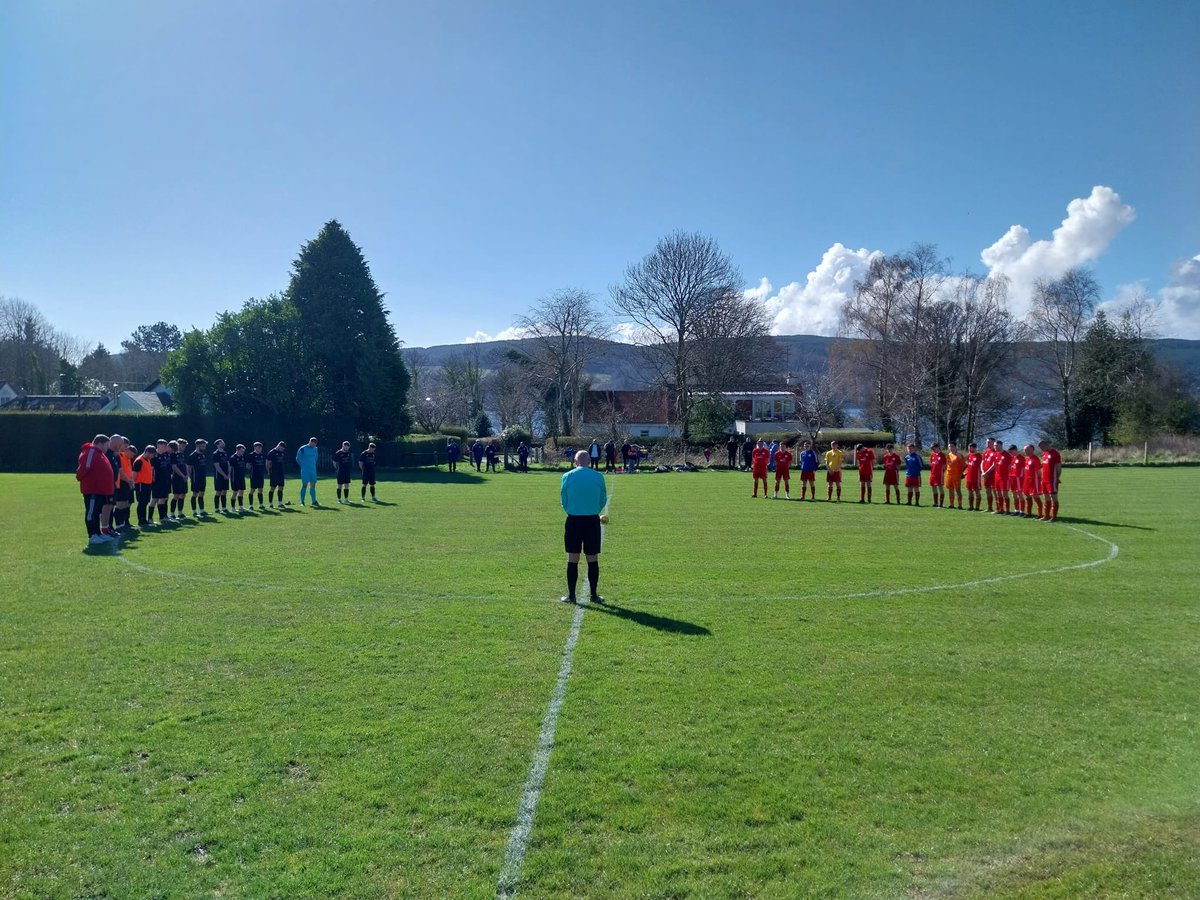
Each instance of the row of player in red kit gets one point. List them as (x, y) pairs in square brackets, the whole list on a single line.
[(1014, 481)]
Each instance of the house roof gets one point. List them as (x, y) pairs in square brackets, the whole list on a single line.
[(146, 400)]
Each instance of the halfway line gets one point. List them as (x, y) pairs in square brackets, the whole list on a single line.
[(518, 838)]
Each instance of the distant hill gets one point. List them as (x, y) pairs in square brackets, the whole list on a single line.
[(619, 366)]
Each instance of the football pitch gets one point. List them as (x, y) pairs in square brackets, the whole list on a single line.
[(780, 699)]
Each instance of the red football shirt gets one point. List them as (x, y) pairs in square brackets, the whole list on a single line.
[(866, 460), (1029, 479), (1016, 468), (937, 464), (891, 462), (974, 462), (783, 460), (1051, 460), (1001, 460), (760, 458)]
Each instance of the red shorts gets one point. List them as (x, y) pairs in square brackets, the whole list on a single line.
[(866, 476), (834, 477), (892, 477), (785, 474), (972, 483), (760, 473), (936, 480), (808, 476), (989, 480), (912, 481), (1031, 491), (1001, 483)]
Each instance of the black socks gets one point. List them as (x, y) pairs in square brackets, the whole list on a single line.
[(572, 577), (593, 576)]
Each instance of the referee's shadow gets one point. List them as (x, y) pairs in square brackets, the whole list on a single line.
[(658, 623)]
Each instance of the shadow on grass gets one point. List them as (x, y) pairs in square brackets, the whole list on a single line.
[(321, 507), (649, 620), (1075, 520), (429, 475)]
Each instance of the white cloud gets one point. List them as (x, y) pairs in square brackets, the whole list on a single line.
[(815, 307), (511, 333), (1179, 301), (1091, 225)]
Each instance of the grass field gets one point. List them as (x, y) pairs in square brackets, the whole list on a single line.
[(781, 699)]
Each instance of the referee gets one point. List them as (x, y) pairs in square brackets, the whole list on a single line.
[(584, 496)]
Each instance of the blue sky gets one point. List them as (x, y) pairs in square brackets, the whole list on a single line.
[(166, 160)]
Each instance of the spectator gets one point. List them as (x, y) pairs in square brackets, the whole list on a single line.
[(594, 454), (477, 453)]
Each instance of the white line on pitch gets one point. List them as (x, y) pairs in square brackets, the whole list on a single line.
[(518, 838)]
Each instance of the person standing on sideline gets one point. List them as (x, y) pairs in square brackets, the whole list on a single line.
[(584, 496), (197, 467), (341, 463), (731, 448), (913, 464), (143, 479), (773, 447), (610, 455), (937, 474), (1051, 472), (221, 477), (783, 471), (594, 453), (477, 453), (759, 460), (95, 476), (453, 452), (748, 453), (974, 477), (307, 456), (490, 453), (864, 458), (955, 466), (523, 457), (808, 472), (833, 470), (275, 463), (625, 455), (366, 463)]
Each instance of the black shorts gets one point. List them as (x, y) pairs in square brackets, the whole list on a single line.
[(582, 532), (144, 492), (276, 479), (220, 484), (123, 493), (239, 482), (256, 482), (161, 489), (178, 485), (368, 476), (343, 476), (199, 485)]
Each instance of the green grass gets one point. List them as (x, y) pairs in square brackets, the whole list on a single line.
[(345, 703)]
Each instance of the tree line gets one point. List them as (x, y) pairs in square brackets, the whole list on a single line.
[(37, 358), (924, 353)]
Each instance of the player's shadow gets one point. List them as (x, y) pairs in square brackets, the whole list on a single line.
[(1075, 520), (324, 508), (649, 620), (429, 475), (370, 503)]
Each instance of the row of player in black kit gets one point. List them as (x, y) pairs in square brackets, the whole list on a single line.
[(161, 476)]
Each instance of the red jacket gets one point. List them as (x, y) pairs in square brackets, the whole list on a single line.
[(94, 473)]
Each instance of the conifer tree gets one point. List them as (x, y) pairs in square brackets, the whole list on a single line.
[(357, 366)]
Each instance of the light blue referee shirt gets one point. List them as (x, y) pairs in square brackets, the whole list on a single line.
[(307, 457), (584, 492)]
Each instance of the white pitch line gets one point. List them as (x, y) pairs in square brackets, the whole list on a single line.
[(1113, 550), (518, 838)]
